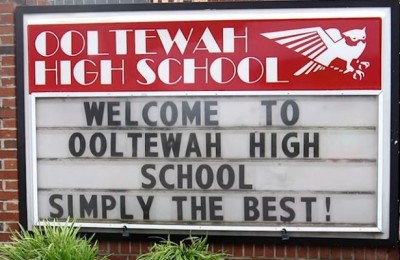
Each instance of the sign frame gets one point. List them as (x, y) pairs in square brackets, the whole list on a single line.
[(26, 198)]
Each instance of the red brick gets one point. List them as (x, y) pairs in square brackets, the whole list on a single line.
[(7, 71), (8, 195), (103, 246), (8, 175), (6, 216), (393, 254), (381, 253), (11, 206), (7, 18), (336, 253), (269, 250), (359, 253), (238, 250), (8, 133), (228, 249), (313, 252), (11, 185), (216, 247), (135, 247), (145, 247), (290, 252), (10, 164), (9, 144), (8, 60), (302, 252), (5, 237), (6, 29), (259, 250), (347, 253), (7, 8), (125, 247), (7, 92), (249, 250), (10, 123), (8, 154), (279, 251), (7, 39), (7, 82), (8, 113), (11, 226), (324, 253), (118, 257), (114, 246), (370, 253), (9, 102)]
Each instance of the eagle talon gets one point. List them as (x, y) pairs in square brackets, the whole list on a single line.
[(358, 74), (363, 65)]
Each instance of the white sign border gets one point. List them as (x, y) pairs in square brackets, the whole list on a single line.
[(384, 110), (249, 228)]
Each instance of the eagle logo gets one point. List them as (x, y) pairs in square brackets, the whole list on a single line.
[(322, 47)]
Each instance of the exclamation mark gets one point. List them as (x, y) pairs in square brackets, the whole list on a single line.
[(328, 208)]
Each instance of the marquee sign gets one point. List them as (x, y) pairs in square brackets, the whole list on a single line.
[(249, 120)]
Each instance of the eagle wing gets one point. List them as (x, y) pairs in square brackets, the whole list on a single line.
[(309, 42)]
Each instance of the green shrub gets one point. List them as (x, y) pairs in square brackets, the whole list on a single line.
[(191, 248), (50, 243)]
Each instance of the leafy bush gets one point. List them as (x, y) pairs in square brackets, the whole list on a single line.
[(50, 243), (191, 248)]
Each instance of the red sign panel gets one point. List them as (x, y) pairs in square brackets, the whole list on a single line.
[(236, 55)]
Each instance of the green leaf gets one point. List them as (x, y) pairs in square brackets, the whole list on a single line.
[(190, 248), (50, 242)]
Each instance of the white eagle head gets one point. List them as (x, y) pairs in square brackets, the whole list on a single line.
[(356, 35)]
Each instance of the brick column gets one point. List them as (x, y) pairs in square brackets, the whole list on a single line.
[(9, 214)]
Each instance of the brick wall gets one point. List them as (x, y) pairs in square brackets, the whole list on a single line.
[(124, 249), (9, 215), (128, 250)]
